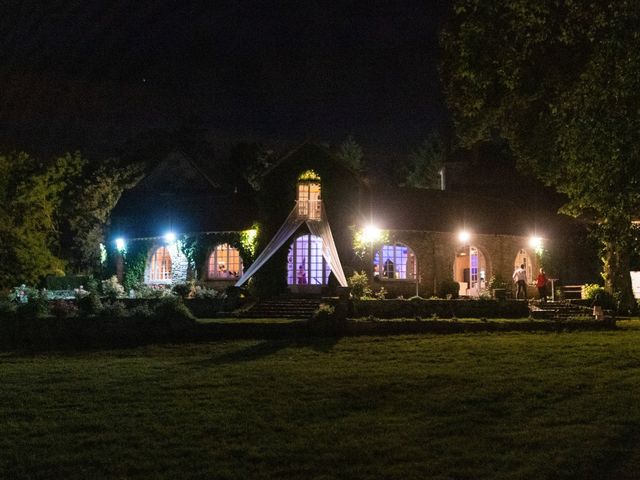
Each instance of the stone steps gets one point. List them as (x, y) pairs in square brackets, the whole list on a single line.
[(558, 310)]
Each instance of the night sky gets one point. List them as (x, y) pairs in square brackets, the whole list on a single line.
[(90, 74)]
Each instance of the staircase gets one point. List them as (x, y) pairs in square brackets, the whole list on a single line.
[(557, 310), (295, 308)]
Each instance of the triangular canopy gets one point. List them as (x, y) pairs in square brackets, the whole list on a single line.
[(319, 227)]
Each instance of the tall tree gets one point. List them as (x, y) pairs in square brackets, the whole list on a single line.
[(31, 195), (350, 154), (87, 211), (425, 163), (560, 80)]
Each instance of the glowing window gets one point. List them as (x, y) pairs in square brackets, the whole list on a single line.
[(395, 261), (224, 262), (309, 203), (305, 264), (160, 265)]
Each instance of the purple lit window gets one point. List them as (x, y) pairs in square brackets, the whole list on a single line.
[(305, 265), (395, 261)]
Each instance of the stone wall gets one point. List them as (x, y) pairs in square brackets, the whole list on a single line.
[(436, 254)]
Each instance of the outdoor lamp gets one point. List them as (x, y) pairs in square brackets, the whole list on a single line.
[(371, 233), (535, 243), (170, 237), (120, 244), (464, 236)]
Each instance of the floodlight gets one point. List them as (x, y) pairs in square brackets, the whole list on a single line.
[(170, 237), (535, 242), (371, 233), (120, 244), (464, 236)]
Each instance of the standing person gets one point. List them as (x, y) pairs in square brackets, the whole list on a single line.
[(520, 277), (541, 283)]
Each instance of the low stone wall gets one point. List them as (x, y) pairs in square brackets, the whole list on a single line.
[(426, 308)]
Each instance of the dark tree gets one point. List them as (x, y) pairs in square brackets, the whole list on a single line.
[(560, 81)]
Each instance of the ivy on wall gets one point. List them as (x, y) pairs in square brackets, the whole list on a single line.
[(197, 248), (135, 262)]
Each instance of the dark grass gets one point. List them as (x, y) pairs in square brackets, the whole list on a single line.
[(468, 406)]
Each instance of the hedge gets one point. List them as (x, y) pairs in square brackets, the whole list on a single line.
[(427, 308)]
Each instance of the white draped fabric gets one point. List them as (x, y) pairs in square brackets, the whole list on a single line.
[(319, 228), (283, 234)]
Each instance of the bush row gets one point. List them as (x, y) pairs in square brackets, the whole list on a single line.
[(426, 308)]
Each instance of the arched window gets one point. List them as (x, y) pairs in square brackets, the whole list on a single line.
[(224, 262), (305, 264), (160, 265), (395, 261)]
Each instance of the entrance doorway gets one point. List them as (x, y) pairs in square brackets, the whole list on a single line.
[(307, 270), (470, 270)]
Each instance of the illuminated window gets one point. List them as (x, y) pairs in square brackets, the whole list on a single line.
[(224, 262), (309, 203), (395, 261), (305, 264), (160, 265)]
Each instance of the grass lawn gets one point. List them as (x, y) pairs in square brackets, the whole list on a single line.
[(465, 406)]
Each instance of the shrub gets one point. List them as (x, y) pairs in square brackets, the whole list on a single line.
[(89, 304), (36, 307), (324, 311), (22, 294), (141, 311), (207, 293), (184, 290), (324, 321), (7, 308), (590, 290), (449, 289), (359, 283), (496, 282), (381, 294), (173, 309), (111, 288), (142, 290), (113, 309), (63, 309)]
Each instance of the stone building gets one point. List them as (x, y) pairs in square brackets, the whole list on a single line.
[(314, 219)]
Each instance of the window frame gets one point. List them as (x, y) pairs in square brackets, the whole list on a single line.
[(378, 254), (214, 259)]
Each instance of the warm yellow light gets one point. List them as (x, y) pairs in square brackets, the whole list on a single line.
[(535, 243), (464, 236), (371, 233)]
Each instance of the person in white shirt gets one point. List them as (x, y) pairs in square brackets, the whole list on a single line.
[(520, 278)]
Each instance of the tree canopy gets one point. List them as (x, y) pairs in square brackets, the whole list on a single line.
[(560, 80), (425, 164), (31, 195)]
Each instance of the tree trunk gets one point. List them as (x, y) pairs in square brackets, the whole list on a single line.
[(616, 263)]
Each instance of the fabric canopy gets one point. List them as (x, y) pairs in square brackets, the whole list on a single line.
[(319, 228)]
